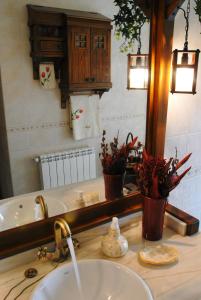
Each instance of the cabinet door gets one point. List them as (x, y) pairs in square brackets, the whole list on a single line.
[(79, 55), (100, 55)]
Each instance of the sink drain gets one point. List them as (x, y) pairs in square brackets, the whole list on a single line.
[(31, 273)]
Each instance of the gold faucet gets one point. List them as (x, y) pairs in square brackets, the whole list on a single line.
[(40, 200), (61, 233), (61, 251)]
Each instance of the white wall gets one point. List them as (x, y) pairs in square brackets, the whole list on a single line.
[(184, 125), (34, 121)]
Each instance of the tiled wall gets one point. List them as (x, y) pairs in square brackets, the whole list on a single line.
[(184, 125), (34, 121)]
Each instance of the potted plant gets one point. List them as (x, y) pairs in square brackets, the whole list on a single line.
[(113, 159), (157, 177)]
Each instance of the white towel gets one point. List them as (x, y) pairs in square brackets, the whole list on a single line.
[(84, 116), (47, 76)]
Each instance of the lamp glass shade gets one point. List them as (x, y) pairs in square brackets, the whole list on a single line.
[(138, 72), (184, 71), (138, 78), (184, 79)]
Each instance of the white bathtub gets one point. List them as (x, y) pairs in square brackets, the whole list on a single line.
[(21, 210)]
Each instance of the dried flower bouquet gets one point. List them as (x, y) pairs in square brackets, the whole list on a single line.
[(158, 176), (114, 157)]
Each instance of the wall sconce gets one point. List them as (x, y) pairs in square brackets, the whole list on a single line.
[(185, 64), (138, 71)]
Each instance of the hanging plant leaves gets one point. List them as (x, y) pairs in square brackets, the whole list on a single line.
[(198, 9), (128, 23)]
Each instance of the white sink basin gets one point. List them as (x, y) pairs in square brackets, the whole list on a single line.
[(101, 280)]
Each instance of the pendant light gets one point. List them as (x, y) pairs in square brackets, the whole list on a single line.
[(185, 64), (138, 69)]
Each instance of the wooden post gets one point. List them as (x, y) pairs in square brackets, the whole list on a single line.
[(161, 36)]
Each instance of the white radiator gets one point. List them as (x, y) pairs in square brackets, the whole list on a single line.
[(62, 168)]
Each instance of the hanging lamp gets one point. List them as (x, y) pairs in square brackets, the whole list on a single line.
[(185, 64), (138, 69)]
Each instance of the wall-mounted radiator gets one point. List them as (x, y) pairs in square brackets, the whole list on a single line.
[(62, 168)]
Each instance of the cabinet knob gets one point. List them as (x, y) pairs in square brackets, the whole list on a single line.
[(90, 79)]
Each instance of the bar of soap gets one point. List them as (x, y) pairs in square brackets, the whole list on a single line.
[(159, 255)]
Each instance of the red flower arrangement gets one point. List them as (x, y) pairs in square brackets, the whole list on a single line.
[(113, 157), (158, 177)]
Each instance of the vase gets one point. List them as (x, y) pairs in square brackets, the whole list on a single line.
[(113, 186), (153, 218)]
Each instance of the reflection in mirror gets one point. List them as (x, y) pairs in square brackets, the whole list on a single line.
[(33, 125), (23, 209)]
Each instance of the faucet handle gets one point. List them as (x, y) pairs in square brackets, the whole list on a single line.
[(42, 253), (45, 254)]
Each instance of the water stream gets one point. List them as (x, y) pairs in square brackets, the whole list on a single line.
[(74, 261)]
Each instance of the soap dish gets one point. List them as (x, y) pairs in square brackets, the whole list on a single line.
[(159, 255)]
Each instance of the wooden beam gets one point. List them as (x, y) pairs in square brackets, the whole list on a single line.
[(161, 36), (172, 8)]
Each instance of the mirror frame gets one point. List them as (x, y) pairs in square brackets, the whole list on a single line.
[(35, 234)]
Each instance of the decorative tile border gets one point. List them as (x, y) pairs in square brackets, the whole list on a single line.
[(123, 117), (62, 124), (39, 126)]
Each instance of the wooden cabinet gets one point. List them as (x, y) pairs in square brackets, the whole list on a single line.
[(89, 57), (79, 44), (79, 51), (47, 41)]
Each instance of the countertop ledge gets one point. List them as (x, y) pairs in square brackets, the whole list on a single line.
[(181, 281)]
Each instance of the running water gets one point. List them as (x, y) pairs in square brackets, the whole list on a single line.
[(74, 261)]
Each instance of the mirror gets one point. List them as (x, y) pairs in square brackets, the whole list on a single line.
[(33, 124)]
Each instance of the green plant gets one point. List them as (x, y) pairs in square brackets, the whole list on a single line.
[(128, 23), (130, 19), (198, 9)]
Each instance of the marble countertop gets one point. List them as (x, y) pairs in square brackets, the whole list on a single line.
[(180, 281)]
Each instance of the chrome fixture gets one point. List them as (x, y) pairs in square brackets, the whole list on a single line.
[(40, 200)]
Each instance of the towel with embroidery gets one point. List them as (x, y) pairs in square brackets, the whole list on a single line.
[(84, 116), (47, 76)]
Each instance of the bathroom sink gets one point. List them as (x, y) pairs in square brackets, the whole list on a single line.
[(20, 211), (100, 280)]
